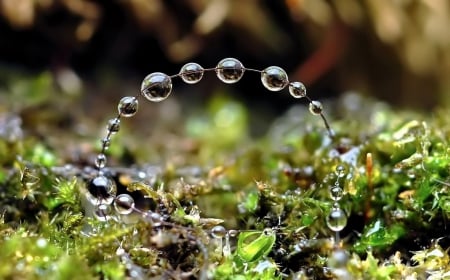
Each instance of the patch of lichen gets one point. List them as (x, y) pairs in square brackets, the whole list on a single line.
[(274, 190)]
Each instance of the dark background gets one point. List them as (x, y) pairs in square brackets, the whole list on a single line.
[(397, 51)]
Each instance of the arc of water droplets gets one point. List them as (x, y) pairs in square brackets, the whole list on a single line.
[(157, 86), (337, 218)]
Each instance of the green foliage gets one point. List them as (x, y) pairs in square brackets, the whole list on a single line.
[(272, 193), (377, 236)]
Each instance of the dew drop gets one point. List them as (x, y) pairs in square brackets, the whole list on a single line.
[(128, 106), (226, 250), (297, 89), (156, 87), (100, 161), (154, 218), (336, 193), (124, 204), (337, 219), (233, 233), (274, 78), (191, 73), (106, 142), (218, 232), (340, 171), (102, 212), (268, 232), (230, 70), (114, 125), (315, 107), (338, 258), (101, 190)]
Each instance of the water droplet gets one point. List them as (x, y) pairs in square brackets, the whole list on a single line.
[(336, 193), (191, 73), (128, 106), (338, 258), (315, 107), (106, 142), (268, 231), (230, 70), (218, 232), (114, 125), (101, 189), (154, 218), (226, 250), (337, 219), (297, 89), (100, 161), (102, 212), (340, 171), (233, 233), (124, 204), (274, 78), (156, 87), (411, 174)]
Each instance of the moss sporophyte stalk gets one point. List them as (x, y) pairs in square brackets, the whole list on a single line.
[(366, 200)]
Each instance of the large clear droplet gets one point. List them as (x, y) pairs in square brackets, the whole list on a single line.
[(274, 78), (102, 212), (156, 87), (337, 219), (297, 89), (100, 161), (128, 106), (336, 193), (124, 204), (315, 107), (230, 70), (191, 73), (101, 190), (218, 232), (114, 125)]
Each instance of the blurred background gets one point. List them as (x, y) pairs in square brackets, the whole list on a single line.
[(397, 51)]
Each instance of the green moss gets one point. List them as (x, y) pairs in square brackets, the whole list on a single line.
[(274, 192)]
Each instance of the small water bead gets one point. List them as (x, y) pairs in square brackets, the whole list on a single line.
[(233, 233), (106, 142), (337, 219), (297, 89), (100, 161), (226, 249), (230, 70), (102, 189), (268, 232), (124, 204), (102, 212), (156, 87), (274, 78), (128, 106), (315, 107), (336, 193), (218, 232), (191, 73), (114, 125), (155, 218), (340, 171)]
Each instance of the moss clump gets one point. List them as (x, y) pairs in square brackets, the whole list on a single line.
[(272, 194)]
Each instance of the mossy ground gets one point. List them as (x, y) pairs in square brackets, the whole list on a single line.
[(205, 169)]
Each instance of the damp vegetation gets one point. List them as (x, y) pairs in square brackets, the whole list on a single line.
[(210, 201)]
